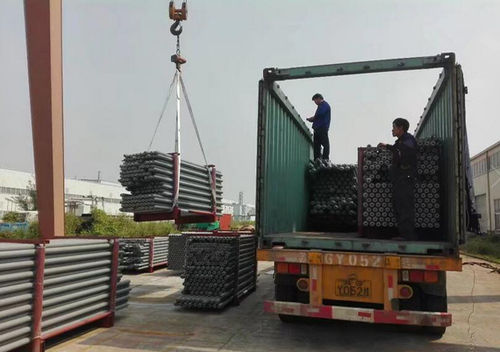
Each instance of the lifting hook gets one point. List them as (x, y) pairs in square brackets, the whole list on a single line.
[(176, 28)]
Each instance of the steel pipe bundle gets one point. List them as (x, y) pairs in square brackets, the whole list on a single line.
[(135, 253), (17, 272), (77, 281), (143, 253), (334, 195), (149, 177), (377, 209), (160, 250), (177, 251), (219, 270), (122, 294)]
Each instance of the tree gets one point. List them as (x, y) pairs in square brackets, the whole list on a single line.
[(27, 201)]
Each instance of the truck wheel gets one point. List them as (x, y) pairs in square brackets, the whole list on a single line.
[(433, 303), (285, 318)]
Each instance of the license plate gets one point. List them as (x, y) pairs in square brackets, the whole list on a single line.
[(352, 287)]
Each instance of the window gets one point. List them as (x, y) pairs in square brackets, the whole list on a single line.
[(497, 214), (479, 168), (15, 191), (494, 160)]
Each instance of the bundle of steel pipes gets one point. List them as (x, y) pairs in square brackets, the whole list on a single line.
[(219, 270), (136, 252), (377, 208), (149, 177), (75, 277), (334, 196), (77, 281), (177, 251), (17, 271), (160, 250), (122, 294)]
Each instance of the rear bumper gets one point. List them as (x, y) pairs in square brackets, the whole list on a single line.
[(359, 314)]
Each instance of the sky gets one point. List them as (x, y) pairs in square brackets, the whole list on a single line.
[(117, 71)]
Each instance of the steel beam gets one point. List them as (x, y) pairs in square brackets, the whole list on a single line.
[(44, 47), (403, 64)]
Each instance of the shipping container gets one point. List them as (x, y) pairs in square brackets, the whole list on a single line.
[(285, 151), (345, 275)]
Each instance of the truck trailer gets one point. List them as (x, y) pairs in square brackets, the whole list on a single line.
[(347, 275)]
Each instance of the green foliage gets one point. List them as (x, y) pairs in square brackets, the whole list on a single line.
[(29, 201), (100, 224), (12, 216), (486, 246), (237, 225), (72, 224)]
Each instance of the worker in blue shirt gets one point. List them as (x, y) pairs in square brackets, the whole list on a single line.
[(321, 125), (403, 174)]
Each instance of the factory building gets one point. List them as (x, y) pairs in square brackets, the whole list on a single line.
[(240, 211), (81, 196), (486, 176)]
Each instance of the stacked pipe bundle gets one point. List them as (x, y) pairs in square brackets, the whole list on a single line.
[(17, 265), (77, 277), (122, 294), (334, 196), (160, 250), (135, 253), (219, 270), (77, 281), (377, 209), (177, 251), (149, 177)]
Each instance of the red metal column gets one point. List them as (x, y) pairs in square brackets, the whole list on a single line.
[(37, 305), (44, 48), (110, 318), (151, 253), (213, 175)]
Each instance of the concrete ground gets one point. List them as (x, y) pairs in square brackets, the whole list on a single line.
[(153, 323)]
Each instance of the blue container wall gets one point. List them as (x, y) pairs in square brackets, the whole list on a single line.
[(284, 152)]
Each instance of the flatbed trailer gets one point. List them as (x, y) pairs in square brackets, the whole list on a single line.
[(347, 275)]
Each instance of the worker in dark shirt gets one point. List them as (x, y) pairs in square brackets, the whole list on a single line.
[(403, 173), (321, 125)]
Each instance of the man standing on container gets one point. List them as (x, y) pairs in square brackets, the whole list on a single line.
[(321, 125), (403, 173)]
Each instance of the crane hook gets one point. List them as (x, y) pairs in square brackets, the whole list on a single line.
[(176, 28)]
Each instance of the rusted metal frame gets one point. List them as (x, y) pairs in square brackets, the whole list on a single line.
[(365, 260), (43, 20), (151, 253), (213, 175), (36, 315), (99, 317)]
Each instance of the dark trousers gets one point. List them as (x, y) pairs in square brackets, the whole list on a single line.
[(403, 201), (320, 139)]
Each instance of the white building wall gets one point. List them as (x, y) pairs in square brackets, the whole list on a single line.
[(83, 195), (486, 171)]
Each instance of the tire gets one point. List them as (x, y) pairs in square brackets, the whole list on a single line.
[(289, 319), (435, 303), (435, 331)]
